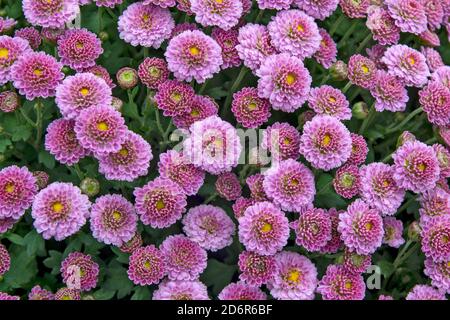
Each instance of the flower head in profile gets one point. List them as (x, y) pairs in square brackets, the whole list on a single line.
[(393, 230)]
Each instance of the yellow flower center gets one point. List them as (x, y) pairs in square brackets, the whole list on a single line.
[(154, 72), (445, 239), (116, 215), (102, 126), (365, 69), (411, 61), (326, 140), (195, 113), (368, 226), (123, 152), (145, 17), (79, 45), (300, 28), (386, 183), (9, 188), (219, 1), (266, 227), (286, 141), (348, 285), (331, 99), (294, 276), (421, 167), (176, 97), (66, 297), (194, 51), (37, 72), (57, 207), (147, 265), (160, 205), (294, 182), (252, 106), (4, 53), (84, 91), (290, 78)]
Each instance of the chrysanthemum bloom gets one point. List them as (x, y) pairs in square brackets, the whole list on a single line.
[(433, 203), (5, 260), (385, 297), (62, 143), (263, 229), (186, 259), (290, 185), (439, 273), (361, 227), (174, 98), (42, 178), (202, 107), (152, 72), (81, 91), (174, 166), (228, 186), (346, 182), (361, 71), (6, 24), (107, 3), (9, 101), (181, 290), (295, 33), (51, 14), (407, 64), (5, 296), (442, 75), (52, 34), (241, 291), (193, 55), (36, 74), (227, 41), (335, 243), (60, 210), (147, 266), (6, 224), (435, 101), (404, 137), (409, 15), (131, 161), (67, 294), (443, 156), (379, 189), (285, 81), (274, 4), (184, 26), (209, 226), (382, 26), (282, 140), (326, 54), (416, 167), (213, 145), (434, 59), (318, 9), (435, 11), (101, 72), (389, 92), (101, 129), (256, 269), (184, 6), (79, 48), (254, 45), (312, 229), (330, 101), (354, 9), (133, 244), (425, 292), (239, 206), (250, 110), (393, 230), (31, 35), (161, 3), (375, 53), (256, 186), (113, 220), (326, 143), (435, 238), (359, 150), (116, 104), (429, 38), (224, 14), (339, 284), (355, 263), (160, 203), (38, 293), (80, 265), (17, 190), (145, 25)]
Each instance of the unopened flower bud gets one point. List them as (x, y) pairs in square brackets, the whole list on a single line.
[(360, 110), (414, 231), (90, 187), (104, 36), (41, 179), (338, 71), (127, 78), (406, 136), (9, 101), (66, 70), (304, 117), (116, 103)]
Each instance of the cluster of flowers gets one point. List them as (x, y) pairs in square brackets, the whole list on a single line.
[(91, 125)]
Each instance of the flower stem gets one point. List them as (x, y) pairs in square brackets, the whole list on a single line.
[(158, 123), (405, 121), (336, 24), (78, 171), (364, 42), (211, 197), (347, 86), (259, 16), (235, 85), (39, 108), (347, 34), (368, 119), (100, 19), (111, 13), (27, 119)]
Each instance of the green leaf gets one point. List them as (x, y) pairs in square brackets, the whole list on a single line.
[(387, 268), (46, 159), (23, 268), (141, 293), (35, 244), (21, 132), (15, 238), (4, 143), (217, 275), (53, 261), (117, 280), (122, 257), (131, 110)]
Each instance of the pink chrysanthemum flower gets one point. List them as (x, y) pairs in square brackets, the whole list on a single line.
[(224, 14), (326, 54), (36, 74), (326, 143), (52, 14), (361, 228), (152, 72), (209, 226), (282, 140), (382, 26), (147, 266), (347, 182), (435, 11), (295, 277), (30, 34), (52, 34), (9, 101), (256, 269), (42, 178), (60, 210), (241, 291), (285, 81), (186, 260), (433, 203), (184, 6), (263, 229), (361, 71), (113, 220), (408, 64), (82, 265), (354, 9), (161, 3), (274, 4), (81, 91), (5, 296), (250, 110), (330, 101), (228, 186), (442, 75), (202, 107), (339, 284), (174, 98), (318, 9), (160, 203), (429, 38), (101, 72), (133, 244), (107, 3), (295, 33), (312, 229), (193, 55), (393, 230), (5, 260), (254, 45), (439, 273), (6, 224), (355, 263), (184, 26), (290, 185), (435, 101), (443, 156), (181, 290), (434, 59), (335, 243), (213, 145), (379, 189), (38, 293), (239, 206), (62, 143), (145, 25), (435, 238), (227, 41), (425, 292), (359, 149), (375, 53), (385, 297), (409, 15), (389, 92), (67, 294), (101, 129), (6, 24), (17, 190), (416, 167), (256, 186)]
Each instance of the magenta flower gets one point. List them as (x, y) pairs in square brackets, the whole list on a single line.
[(202, 107), (67, 294), (443, 156), (5, 260), (147, 266), (250, 110), (6, 224), (106, 3), (312, 229), (256, 185), (438, 272), (354, 9), (239, 206), (389, 92), (347, 181), (5, 296), (409, 15), (318, 9), (181, 290), (435, 238), (335, 243), (174, 98), (282, 140), (82, 265), (228, 186), (52, 14), (329, 101), (434, 59), (393, 230), (359, 150), (241, 291), (102, 73), (161, 3), (326, 54), (133, 244), (30, 34), (382, 26), (152, 72), (339, 284), (361, 71), (434, 203), (224, 14), (274, 4), (227, 40), (6, 24), (435, 101), (38, 293), (256, 269), (355, 263), (425, 292)]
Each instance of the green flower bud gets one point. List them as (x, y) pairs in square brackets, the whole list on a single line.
[(304, 117), (117, 103), (414, 231), (127, 78), (104, 36), (360, 110), (338, 71), (90, 187)]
